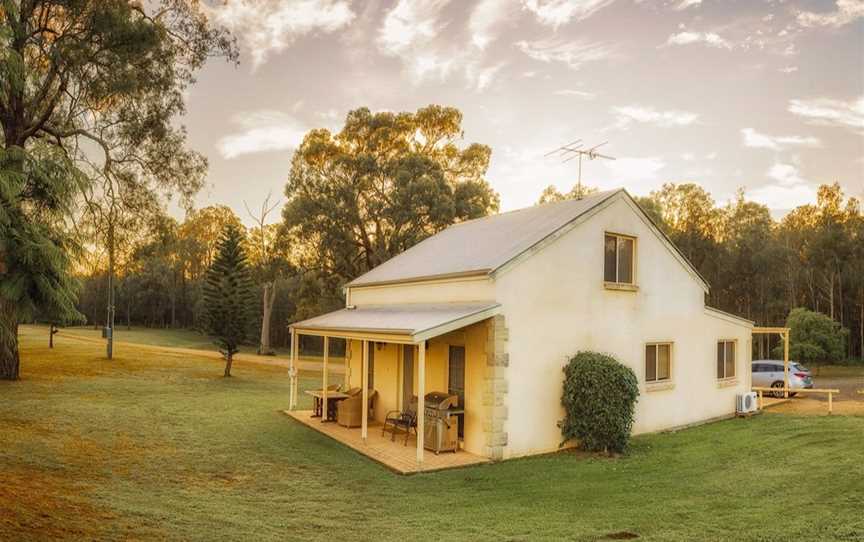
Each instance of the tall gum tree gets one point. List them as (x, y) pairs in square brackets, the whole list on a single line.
[(85, 86), (386, 181)]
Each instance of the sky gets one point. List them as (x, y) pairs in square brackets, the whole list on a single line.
[(765, 95)]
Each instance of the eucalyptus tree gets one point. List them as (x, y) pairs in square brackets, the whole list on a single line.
[(86, 85), (386, 181)]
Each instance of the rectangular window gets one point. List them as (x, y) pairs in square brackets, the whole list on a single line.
[(725, 359), (618, 260), (658, 362)]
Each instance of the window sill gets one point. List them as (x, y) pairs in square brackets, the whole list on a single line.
[(727, 382), (620, 286), (659, 386)]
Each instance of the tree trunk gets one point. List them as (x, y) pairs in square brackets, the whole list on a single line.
[(229, 358), (109, 320), (9, 359), (264, 348)]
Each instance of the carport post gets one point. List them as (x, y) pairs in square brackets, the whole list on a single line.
[(421, 400)]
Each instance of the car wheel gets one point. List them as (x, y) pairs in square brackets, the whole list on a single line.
[(779, 385)]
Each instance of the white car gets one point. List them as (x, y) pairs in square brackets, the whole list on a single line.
[(768, 373)]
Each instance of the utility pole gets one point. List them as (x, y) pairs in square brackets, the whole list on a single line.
[(574, 151), (109, 321)]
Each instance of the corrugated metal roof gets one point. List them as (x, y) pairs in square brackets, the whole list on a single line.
[(413, 319), (481, 245)]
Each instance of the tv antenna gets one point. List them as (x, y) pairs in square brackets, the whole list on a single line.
[(574, 151)]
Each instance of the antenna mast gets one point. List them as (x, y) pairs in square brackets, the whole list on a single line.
[(574, 150)]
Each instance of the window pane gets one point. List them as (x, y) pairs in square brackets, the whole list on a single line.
[(650, 363), (720, 359), (664, 362), (609, 260), (625, 260), (370, 377), (730, 359)]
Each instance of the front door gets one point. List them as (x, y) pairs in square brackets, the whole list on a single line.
[(407, 375)]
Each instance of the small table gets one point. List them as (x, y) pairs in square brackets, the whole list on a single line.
[(332, 397)]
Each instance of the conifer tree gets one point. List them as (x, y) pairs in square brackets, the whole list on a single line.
[(228, 295)]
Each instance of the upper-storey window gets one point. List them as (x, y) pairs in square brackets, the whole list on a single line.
[(620, 259)]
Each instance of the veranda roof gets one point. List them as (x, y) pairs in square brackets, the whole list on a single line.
[(407, 323)]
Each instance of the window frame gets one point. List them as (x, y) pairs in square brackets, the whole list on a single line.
[(726, 377), (656, 345), (617, 284)]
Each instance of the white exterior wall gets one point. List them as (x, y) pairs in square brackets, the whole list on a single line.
[(555, 304), (432, 291)]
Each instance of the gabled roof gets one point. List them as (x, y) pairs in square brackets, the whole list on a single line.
[(484, 245), (412, 322)]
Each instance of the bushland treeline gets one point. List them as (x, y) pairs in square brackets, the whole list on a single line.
[(758, 267)]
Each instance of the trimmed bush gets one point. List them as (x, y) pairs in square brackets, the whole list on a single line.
[(599, 400)]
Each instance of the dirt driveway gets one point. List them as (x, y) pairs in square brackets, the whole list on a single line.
[(849, 380)]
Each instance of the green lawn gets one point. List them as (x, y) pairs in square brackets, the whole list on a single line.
[(164, 448), (175, 338)]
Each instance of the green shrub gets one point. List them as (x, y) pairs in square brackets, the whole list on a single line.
[(599, 400), (814, 338)]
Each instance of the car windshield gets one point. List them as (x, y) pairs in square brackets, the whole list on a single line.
[(797, 367)]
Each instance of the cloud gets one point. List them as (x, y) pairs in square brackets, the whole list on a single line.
[(410, 24), (830, 112), (789, 191), (576, 93), (755, 140), (271, 26), (555, 13), (263, 131), (480, 78), (639, 175), (486, 19), (573, 53), (788, 69), (411, 32), (627, 115), (847, 11), (684, 4), (687, 37)]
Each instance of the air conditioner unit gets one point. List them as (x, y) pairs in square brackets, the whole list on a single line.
[(746, 403)]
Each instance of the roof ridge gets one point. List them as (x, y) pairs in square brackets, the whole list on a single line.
[(536, 206)]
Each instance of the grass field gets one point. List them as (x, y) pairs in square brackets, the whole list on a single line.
[(175, 338), (161, 447)]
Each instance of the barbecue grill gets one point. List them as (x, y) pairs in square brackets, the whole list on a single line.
[(441, 432)]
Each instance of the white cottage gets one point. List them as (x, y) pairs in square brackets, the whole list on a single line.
[(491, 309)]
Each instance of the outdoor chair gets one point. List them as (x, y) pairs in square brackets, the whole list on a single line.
[(349, 412), (397, 420)]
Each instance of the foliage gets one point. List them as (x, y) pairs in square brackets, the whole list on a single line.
[(551, 194), (89, 86), (228, 295), (814, 338), (599, 400), (383, 183)]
